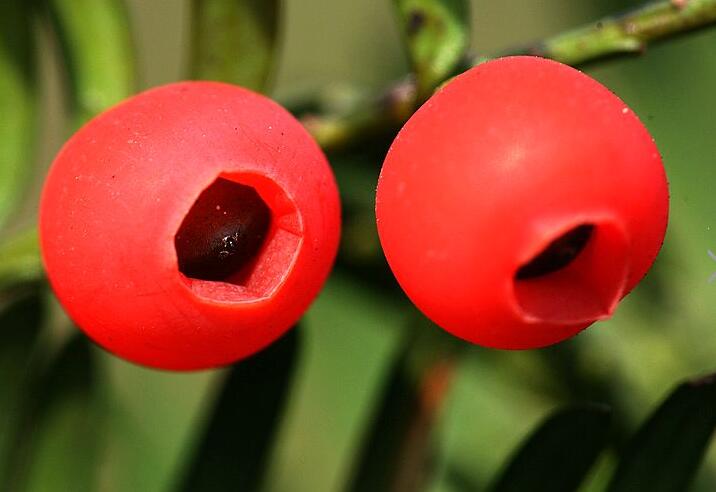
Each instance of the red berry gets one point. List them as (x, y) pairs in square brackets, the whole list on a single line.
[(189, 226), (521, 203)]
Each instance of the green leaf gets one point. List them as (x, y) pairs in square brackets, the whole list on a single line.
[(437, 34), (235, 40), (665, 453), (559, 453), (235, 446), (459, 481), (97, 47), (20, 326), (61, 434), (20, 261), (18, 96), (396, 453)]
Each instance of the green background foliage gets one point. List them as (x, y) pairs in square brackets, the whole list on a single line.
[(90, 421)]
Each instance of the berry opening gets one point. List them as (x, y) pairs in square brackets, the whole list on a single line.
[(223, 231), (239, 240), (560, 253), (576, 275)]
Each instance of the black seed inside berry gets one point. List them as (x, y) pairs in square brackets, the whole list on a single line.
[(223, 231), (559, 254)]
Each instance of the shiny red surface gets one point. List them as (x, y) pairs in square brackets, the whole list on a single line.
[(118, 191), (503, 160)]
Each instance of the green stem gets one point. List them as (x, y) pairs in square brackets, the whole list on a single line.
[(364, 118), (626, 34), (629, 33)]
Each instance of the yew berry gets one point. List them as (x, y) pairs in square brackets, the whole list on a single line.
[(521, 203), (190, 225)]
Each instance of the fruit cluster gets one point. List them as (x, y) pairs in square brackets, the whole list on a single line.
[(193, 224)]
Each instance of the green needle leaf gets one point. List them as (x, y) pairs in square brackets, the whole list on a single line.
[(96, 43), (437, 37), (559, 453), (19, 329), (235, 40), (396, 452), (18, 93), (235, 446), (61, 434), (665, 453)]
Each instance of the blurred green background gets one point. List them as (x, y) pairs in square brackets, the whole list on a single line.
[(663, 333)]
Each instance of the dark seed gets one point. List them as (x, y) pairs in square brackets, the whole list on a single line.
[(560, 253), (222, 232)]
